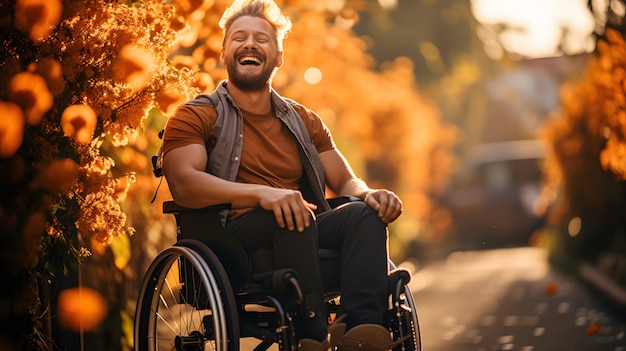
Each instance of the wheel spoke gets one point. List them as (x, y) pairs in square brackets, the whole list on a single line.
[(183, 291)]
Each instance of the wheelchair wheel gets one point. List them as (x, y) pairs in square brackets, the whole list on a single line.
[(408, 324), (186, 303), (405, 323)]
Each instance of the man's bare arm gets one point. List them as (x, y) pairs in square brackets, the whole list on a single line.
[(191, 186)]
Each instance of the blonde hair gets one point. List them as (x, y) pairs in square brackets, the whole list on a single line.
[(266, 9)]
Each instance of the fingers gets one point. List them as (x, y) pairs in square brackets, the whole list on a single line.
[(291, 210), (386, 203), (293, 216)]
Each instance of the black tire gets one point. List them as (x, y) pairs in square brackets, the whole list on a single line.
[(410, 325), (196, 312), (406, 322)]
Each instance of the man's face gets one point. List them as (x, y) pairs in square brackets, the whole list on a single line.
[(250, 53)]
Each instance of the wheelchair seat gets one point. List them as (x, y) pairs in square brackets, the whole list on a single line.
[(206, 292)]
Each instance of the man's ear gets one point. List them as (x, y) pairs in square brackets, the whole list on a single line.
[(280, 59), (222, 61)]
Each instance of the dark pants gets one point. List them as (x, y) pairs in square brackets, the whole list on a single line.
[(356, 231)]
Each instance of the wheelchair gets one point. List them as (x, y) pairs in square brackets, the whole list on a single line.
[(203, 293)]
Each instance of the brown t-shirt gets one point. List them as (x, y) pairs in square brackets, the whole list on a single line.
[(270, 153)]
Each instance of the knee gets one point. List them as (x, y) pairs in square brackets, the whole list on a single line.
[(368, 212), (366, 217)]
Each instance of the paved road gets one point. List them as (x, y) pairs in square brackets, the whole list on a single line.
[(510, 299)]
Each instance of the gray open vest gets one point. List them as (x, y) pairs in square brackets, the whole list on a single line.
[(225, 158)]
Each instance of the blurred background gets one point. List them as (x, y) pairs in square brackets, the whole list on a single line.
[(499, 123)]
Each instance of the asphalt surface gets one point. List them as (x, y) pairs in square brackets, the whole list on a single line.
[(511, 299)]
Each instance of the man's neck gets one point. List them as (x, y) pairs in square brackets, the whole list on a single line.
[(257, 102)]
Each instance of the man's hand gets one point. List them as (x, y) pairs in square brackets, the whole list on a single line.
[(289, 207), (387, 204)]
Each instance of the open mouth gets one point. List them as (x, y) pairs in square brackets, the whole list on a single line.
[(249, 60)]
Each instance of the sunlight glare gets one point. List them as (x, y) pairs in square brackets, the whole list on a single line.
[(335, 6), (534, 27), (388, 4)]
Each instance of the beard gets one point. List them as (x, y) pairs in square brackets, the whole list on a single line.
[(250, 82)]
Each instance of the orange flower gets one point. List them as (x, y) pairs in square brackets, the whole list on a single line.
[(122, 186), (184, 61), (168, 101), (134, 66), (52, 72), (203, 81), (81, 308), (31, 93), (11, 128), (79, 122), (58, 176), (178, 23), (188, 6), (37, 17)]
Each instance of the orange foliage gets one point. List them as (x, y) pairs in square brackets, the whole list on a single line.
[(587, 161), (598, 102), (52, 72), (92, 76), (56, 176), (133, 66), (77, 79)]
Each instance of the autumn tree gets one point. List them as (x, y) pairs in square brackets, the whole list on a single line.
[(586, 167)]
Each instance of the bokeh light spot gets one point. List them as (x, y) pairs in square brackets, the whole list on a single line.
[(37, 17), (81, 308), (79, 122), (574, 226), (11, 128), (313, 75)]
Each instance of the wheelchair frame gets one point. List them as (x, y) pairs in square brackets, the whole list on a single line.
[(203, 295)]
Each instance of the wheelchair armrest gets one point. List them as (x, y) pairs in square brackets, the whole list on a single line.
[(338, 201), (173, 207)]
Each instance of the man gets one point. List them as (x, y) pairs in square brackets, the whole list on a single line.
[(272, 159)]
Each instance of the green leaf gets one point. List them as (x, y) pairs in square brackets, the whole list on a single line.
[(121, 249)]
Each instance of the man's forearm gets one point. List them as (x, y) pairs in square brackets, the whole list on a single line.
[(355, 187)]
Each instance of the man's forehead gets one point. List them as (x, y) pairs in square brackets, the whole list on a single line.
[(251, 24)]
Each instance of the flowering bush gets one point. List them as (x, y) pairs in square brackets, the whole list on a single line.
[(75, 77)]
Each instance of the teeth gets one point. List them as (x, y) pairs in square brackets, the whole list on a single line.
[(250, 59)]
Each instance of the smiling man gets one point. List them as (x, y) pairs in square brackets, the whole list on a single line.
[(272, 159)]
